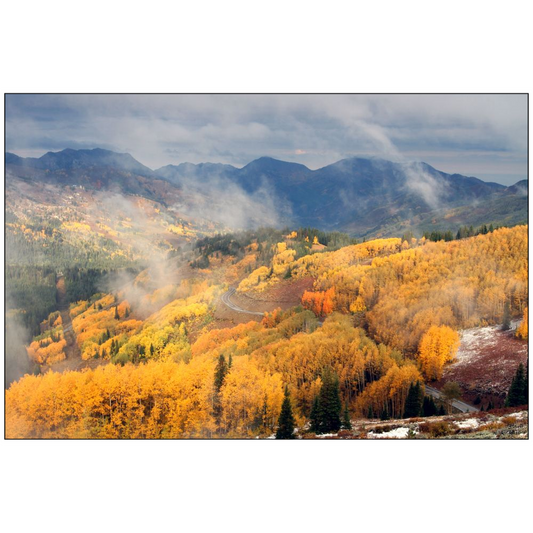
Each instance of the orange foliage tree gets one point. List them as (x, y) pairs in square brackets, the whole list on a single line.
[(437, 347), (321, 302)]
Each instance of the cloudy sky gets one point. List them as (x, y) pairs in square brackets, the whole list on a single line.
[(476, 135)]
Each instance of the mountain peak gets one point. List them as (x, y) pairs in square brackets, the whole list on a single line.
[(70, 158)]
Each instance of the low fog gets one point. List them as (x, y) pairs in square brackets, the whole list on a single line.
[(17, 337)]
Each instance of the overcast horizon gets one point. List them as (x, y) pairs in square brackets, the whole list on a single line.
[(475, 135)]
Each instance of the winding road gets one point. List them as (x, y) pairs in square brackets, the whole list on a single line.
[(226, 299), (458, 404), (72, 350)]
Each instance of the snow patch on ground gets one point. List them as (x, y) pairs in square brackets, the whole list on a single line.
[(472, 340), (519, 416), (469, 423), (475, 340), (398, 433)]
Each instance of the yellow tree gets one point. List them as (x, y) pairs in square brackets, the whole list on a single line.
[(521, 331), (437, 347)]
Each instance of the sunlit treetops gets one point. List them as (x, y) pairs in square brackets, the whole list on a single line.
[(403, 294), (522, 330), (48, 347), (411, 296), (175, 399)]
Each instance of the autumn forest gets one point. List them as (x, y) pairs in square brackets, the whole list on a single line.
[(322, 331)]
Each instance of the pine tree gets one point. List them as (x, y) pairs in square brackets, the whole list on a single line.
[(116, 313), (330, 402), (517, 394), (327, 407), (429, 407), (346, 422), (315, 416), (286, 420), (506, 316), (414, 401), (220, 373)]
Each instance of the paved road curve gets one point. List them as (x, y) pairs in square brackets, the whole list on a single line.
[(459, 405), (226, 299)]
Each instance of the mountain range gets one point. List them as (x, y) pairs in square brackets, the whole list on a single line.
[(364, 197)]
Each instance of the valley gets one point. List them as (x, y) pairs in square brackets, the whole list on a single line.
[(156, 320)]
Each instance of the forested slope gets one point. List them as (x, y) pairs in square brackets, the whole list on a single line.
[(382, 316)]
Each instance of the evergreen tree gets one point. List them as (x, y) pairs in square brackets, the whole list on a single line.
[(506, 316), (517, 394), (429, 407), (346, 422), (220, 372), (329, 402), (414, 401), (327, 407), (315, 416), (116, 313), (441, 411), (286, 420)]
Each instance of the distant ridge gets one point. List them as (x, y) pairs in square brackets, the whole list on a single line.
[(362, 196)]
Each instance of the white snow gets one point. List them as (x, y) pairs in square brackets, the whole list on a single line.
[(475, 340), (518, 416), (398, 433), (324, 435), (469, 423)]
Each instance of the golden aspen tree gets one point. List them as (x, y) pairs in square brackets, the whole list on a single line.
[(437, 347), (522, 330)]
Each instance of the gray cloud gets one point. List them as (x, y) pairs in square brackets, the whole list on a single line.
[(479, 135)]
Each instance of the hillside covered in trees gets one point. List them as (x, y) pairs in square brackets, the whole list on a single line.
[(359, 330)]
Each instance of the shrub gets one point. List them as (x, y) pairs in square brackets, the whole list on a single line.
[(440, 428)]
